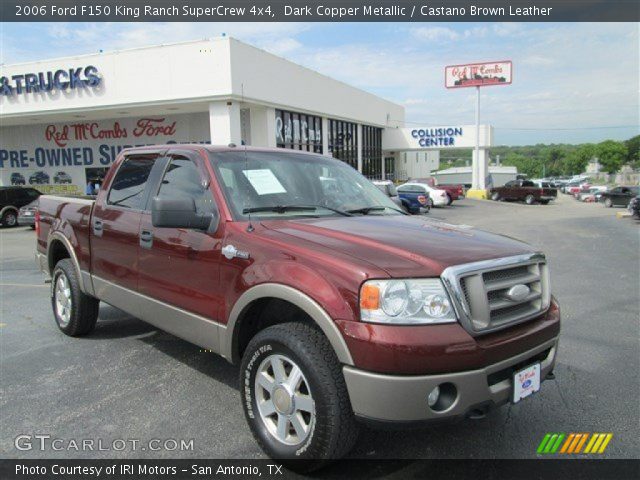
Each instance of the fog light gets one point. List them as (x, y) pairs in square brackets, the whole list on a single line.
[(433, 397)]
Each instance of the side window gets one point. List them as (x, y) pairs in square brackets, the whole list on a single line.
[(183, 179), (127, 189)]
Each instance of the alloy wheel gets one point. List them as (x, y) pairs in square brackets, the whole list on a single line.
[(62, 295), (284, 400)]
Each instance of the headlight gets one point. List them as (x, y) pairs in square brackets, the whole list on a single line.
[(405, 302)]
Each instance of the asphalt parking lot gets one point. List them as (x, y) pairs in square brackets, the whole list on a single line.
[(130, 381)]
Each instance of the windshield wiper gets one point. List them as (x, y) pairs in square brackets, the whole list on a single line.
[(293, 208), (373, 208), (366, 210)]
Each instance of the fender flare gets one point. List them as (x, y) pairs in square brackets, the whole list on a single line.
[(9, 207), (295, 297), (57, 236)]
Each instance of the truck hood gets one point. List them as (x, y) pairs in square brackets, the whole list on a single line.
[(401, 245)]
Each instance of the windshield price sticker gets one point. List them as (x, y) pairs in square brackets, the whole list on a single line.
[(264, 181)]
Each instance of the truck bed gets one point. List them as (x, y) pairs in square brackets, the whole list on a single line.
[(71, 216)]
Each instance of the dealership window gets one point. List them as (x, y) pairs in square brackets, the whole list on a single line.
[(298, 131), (371, 152), (343, 141), (127, 189)]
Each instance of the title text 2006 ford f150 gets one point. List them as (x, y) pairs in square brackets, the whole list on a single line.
[(338, 307)]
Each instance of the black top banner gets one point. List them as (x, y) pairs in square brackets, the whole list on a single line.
[(320, 11)]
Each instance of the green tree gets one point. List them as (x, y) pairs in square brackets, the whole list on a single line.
[(633, 147), (576, 162), (529, 166), (611, 155)]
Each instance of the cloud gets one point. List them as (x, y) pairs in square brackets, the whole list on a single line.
[(566, 75), (435, 34)]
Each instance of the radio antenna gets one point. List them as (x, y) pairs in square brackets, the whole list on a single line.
[(246, 166)]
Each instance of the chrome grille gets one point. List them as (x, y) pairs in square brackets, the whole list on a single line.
[(495, 294)]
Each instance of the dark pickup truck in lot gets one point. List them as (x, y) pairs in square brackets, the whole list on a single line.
[(524, 190), (338, 307)]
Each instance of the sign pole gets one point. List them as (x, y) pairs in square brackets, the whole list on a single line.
[(479, 75), (478, 184)]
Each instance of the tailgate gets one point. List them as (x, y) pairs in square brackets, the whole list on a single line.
[(549, 192)]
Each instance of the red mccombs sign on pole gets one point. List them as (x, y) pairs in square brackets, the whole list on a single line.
[(478, 75)]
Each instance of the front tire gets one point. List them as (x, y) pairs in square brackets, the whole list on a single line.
[(608, 203), (449, 201), (294, 396), (75, 312)]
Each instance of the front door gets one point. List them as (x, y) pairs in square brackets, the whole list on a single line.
[(180, 266)]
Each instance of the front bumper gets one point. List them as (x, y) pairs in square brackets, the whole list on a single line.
[(389, 398)]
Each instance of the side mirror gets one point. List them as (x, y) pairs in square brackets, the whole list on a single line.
[(181, 213)]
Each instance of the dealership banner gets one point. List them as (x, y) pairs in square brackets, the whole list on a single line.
[(478, 74), (62, 157), (320, 11)]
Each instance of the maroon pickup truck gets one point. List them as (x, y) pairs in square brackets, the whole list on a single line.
[(338, 307), (524, 190)]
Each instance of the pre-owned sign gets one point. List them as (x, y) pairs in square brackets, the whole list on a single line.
[(478, 74)]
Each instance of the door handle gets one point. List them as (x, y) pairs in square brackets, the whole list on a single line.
[(146, 239), (97, 228)]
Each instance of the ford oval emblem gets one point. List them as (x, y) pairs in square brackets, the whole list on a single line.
[(517, 293), (526, 384)]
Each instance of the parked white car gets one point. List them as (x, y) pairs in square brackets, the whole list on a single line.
[(438, 197)]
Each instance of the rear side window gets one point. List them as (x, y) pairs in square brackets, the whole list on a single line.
[(411, 189), (127, 189), (183, 180), (33, 194)]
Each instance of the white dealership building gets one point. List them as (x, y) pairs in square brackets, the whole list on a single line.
[(63, 121)]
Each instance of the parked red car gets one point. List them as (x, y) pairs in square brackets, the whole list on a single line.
[(454, 192), (339, 308)]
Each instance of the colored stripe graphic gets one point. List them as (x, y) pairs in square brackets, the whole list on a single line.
[(573, 443), (582, 442)]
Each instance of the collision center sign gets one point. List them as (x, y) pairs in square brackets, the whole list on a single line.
[(478, 74)]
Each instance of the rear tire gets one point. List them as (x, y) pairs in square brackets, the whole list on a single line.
[(495, 196), (544, 202), (529, 199), (75, 312), (309, 419), (10, 219)]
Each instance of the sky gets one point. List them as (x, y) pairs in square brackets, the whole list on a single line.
[(572, 82)]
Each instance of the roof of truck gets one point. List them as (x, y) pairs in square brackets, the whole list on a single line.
[(212, 148)]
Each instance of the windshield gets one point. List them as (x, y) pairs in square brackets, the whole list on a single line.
[(272, 184)]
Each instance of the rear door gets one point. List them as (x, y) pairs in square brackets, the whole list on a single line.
[(508, 190), (115, 223), (178, 266)]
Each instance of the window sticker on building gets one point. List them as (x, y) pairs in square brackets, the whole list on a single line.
[(264, 181)]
